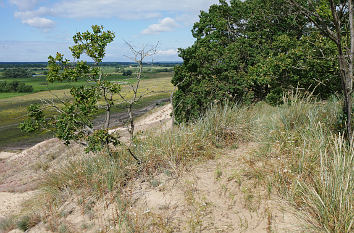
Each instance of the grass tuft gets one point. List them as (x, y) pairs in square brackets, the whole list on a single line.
[(327, 199)]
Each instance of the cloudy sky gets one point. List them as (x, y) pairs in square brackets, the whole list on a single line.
[(33, 29)]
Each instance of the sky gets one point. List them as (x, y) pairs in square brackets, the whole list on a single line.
[(31, 30)]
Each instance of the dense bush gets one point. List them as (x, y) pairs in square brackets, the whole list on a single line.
[(15, 86), (17, 73), (127, 72), (252, 50)]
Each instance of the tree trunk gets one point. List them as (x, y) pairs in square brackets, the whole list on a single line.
[(131, 122), (345, 77), (350, 69), (108, 117)]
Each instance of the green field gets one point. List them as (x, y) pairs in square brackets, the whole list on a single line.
[(13, 105), (39, 83)]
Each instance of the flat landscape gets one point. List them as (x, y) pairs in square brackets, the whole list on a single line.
[(14, 105)]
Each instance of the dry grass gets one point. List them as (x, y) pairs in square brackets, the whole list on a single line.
[(306, 161), (301, 158)]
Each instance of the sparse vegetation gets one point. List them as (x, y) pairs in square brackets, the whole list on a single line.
[(299, 157)]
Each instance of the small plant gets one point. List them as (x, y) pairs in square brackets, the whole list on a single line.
[(23, 223), (63, 228), (27, 222), (218, 173), (7, 224), (155, 183)]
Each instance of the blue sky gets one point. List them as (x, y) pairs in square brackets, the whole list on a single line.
[(34, 29)]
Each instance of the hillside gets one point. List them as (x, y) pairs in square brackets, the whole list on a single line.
[(239, 169)]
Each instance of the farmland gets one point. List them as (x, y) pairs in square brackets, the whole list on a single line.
[(156, 81)]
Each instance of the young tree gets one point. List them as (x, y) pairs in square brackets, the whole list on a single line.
[(72, 119), (335, 20), (138, 56)]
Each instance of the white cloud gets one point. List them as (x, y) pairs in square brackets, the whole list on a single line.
[(35, 18), (24, 4), (127, 9), (165, 25), (38, 22), (42, 11), (168, 52), (122, 9)]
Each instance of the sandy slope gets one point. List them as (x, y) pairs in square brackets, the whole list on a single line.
[(210, 197), (21, 172)]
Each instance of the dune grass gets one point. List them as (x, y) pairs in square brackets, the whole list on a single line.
[(301, 157), (305, 159)]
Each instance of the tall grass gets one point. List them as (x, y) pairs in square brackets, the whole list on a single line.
[(306, 160), (301, 156), (327, 200), (172, 151), (175, 148)]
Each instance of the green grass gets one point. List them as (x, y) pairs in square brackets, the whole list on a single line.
[(11, 94), (13, 109), (40, 83)]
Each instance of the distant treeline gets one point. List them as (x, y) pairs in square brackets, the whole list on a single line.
[(23, 64), (17, 73), (45, 64), (15, 86)]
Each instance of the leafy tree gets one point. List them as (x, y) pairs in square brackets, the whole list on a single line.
[(251, 50), (15, 86), (73, 120), (127, 72), (17, 73), (23, 88), (335, 20)]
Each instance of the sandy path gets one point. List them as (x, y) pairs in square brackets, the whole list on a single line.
[(158, 119), (210, 197)]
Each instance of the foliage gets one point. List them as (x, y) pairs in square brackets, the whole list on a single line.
[(17, 72), (15, 86), (127, 72), (73, 120), (251, 50)]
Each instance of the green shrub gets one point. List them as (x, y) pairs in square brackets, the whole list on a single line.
[(17, 73), (15, 86), (127, 72)]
